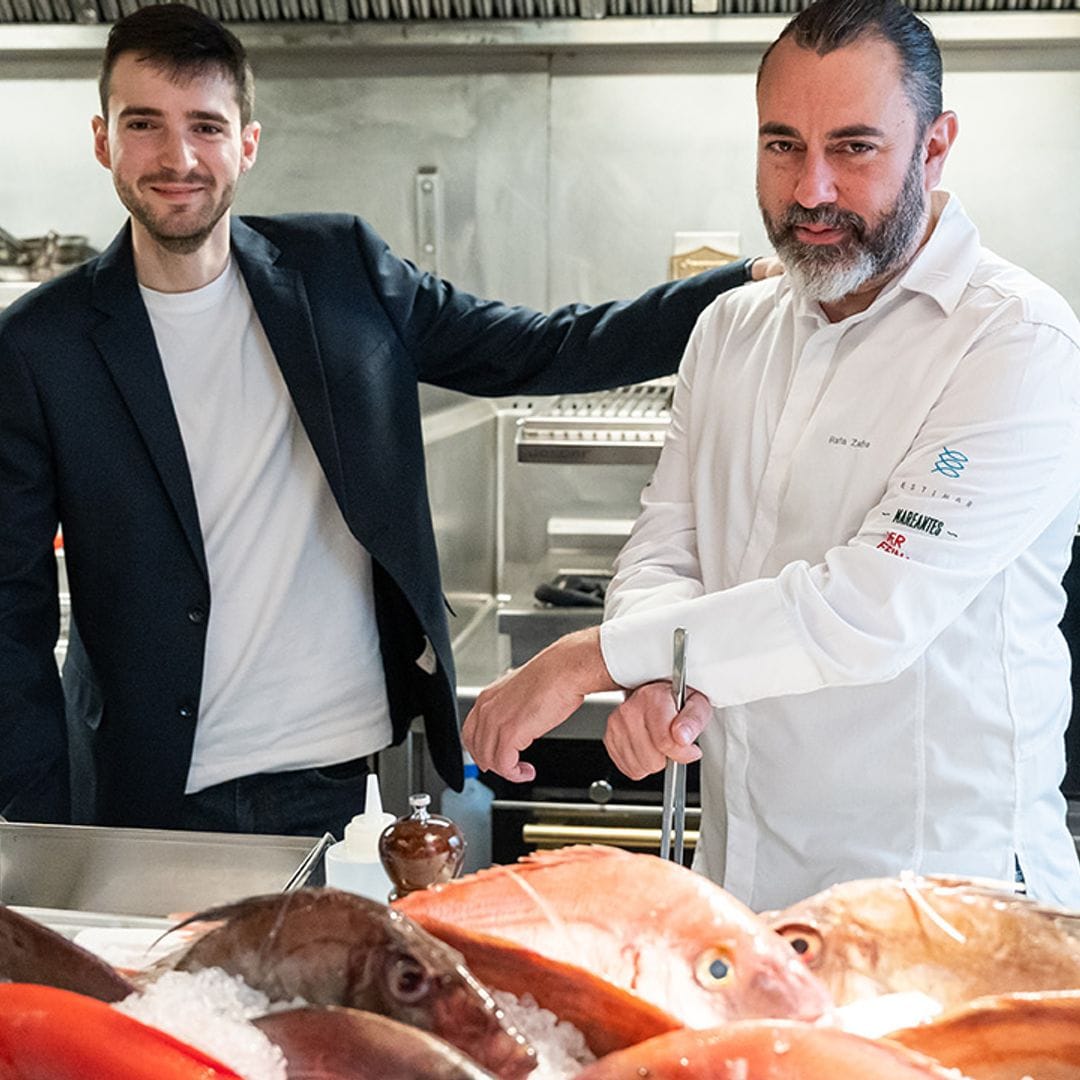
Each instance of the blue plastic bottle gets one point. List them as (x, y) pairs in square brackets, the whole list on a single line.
[(471, 809)]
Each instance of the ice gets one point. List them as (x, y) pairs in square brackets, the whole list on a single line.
[(560, 1047), (878, 1016), (209, 1009)]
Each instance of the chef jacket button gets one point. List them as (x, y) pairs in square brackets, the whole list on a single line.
[(196, 615), (186, 712)]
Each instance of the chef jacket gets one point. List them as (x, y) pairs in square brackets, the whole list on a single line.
[(863, 526)]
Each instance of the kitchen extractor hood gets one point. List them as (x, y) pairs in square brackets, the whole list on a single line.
[(94, 12)]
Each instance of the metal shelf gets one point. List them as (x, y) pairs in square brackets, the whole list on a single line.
[(952, 29)]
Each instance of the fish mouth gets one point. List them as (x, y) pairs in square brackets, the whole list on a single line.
[(512, 1060), (788, 990), (477, 1027)]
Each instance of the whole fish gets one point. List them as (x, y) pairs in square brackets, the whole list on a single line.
[(335, 948), (33, 953), (1005, 1037), (332, 1043), (52, 1034), (766, 1050), (664, 933), (953, 939)]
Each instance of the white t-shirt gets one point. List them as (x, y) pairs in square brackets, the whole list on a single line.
[(293, 676), (863, 526)]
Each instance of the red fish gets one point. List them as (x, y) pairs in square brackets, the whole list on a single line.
[(1006, 1036), (952, 939), (766, 1050), (52, 1034), (654, 928)]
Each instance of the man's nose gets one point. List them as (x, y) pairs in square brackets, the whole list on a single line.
[(816, 184), (177, 153)]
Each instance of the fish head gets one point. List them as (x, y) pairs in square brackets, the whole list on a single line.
[(850, 936), (424, 982), (731, 965), (742, 976)]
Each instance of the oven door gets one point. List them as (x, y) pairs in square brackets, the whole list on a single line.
[(579, 797)]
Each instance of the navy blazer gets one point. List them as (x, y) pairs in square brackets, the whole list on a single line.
[(89, 440)]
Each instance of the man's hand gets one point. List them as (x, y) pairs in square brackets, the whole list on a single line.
[(765, 266), (644, 731), (524, 704)]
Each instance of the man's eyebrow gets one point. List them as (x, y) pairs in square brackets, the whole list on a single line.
[(139, 110), (852, 131), (214, 117), (194, 114), (778, 129), (857, 131)]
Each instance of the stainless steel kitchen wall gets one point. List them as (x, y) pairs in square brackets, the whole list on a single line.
[(564, 174)]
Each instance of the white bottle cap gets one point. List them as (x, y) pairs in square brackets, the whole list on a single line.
[(363, 832)]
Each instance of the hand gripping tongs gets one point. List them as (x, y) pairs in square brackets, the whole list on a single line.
[(674, 771)]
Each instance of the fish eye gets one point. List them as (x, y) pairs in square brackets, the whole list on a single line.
[(407, 980), (714, 968), (805, 940)]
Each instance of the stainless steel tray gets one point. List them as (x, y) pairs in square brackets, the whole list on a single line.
[(141, 872)]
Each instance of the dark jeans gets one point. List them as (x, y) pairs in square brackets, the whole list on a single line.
[(307, 802)]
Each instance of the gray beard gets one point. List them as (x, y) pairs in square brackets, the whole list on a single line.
[(830, 272)]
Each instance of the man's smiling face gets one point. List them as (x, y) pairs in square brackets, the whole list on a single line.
[(175, 148)]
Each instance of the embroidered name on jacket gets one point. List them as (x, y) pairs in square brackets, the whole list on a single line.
[(920, 522)]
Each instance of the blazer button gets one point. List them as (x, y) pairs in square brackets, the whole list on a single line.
[(196, 615), (186, 712)]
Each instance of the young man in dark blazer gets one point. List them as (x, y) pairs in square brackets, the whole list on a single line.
[(222, 415)]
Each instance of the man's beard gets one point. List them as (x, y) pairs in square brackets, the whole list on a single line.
[(180, 240), (828, 272)]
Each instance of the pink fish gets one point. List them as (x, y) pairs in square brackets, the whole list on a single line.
[(766, 1050), (656, 929)]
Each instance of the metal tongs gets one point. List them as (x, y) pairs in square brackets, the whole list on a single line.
[(674, 771), (307, 866)]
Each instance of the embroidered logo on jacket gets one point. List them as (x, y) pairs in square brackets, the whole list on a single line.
[(950, 463), (912, 519)]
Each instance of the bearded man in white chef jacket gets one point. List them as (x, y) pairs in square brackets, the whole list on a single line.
[(862, 515)]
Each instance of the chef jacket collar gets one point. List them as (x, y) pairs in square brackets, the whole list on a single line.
[(943, 268)]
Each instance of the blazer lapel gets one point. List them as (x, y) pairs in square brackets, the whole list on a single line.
[(126, 342), (281, 302)]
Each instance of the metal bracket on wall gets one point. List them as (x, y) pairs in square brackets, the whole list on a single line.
[(428, 218)]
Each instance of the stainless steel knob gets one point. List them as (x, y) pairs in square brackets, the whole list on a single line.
[(600, 791)]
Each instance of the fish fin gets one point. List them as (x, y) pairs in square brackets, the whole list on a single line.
[(609, 1016)]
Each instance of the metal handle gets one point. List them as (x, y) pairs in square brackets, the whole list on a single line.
[(540, 835), (307, 866), (428, 219), (674, 772)]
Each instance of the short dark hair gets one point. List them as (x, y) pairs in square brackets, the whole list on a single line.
[(831, 24), (183, 42)]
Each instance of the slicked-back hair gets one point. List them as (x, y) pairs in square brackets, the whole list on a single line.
[(831, 24), (182, 42)]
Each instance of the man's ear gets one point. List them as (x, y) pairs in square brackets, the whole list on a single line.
[(101, 141), (939, 139), (249, 145)]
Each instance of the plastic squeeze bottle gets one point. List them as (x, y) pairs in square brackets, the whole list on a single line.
[(354, 863), (471, 809)]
